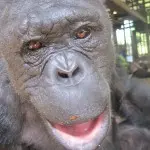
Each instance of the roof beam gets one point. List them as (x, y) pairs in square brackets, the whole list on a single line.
[(130, 11)]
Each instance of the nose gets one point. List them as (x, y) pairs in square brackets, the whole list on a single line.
[(65, 68), (70, 71)]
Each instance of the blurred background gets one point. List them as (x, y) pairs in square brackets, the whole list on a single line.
[(131, 23)]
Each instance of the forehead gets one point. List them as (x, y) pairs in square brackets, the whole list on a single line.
[(60, 2), (19, 5), (56, 9)]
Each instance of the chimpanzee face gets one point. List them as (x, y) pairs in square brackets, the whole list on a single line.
[(60, 54)]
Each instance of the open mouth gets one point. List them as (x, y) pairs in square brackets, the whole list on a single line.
[(84, 136), (80, 130)]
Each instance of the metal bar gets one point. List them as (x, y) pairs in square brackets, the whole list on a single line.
[(130, 11)]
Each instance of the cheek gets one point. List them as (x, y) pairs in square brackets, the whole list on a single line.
[(104, 64), (16, 71), (10, 47)]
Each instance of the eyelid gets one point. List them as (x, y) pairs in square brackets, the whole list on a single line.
[(91, 26), (29, 38), (87, 23), (27, 42)]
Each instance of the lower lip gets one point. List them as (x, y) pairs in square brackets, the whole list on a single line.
[(97, 129), (80, 130)]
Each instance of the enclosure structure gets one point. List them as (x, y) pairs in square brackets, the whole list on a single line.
[(131, 20)]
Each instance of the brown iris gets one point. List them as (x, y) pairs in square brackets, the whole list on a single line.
[(34, 45), (83, 33)]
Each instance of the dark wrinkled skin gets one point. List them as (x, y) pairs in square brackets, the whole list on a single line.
[(34, 93)]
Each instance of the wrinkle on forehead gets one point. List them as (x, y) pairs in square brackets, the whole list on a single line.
[(73, 2), (19, 5), (20, 8)]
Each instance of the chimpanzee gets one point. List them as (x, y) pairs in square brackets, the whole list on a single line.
[(135, 104), (57, 60), (131, 98)]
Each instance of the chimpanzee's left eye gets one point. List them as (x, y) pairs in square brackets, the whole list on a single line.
[(82, 33), (34, 45)]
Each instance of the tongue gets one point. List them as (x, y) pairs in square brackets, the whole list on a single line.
[(77, 129)]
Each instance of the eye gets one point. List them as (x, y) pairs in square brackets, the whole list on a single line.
[(34, 45), (82, 33)]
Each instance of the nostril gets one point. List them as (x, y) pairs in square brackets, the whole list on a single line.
[(63, 75), (72, 73), (76, 71)]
